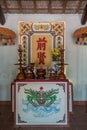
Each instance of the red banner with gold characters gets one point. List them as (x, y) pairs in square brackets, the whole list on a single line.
[(37, 40)]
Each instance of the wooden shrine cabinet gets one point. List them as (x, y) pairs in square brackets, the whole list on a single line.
[(42, 102)]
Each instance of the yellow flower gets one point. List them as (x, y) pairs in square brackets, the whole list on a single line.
[(55, 54), (55, 51)]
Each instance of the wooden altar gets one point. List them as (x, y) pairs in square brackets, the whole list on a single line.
[(41, 96)]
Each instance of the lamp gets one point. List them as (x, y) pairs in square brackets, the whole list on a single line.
[(80, 36), (7, 36)]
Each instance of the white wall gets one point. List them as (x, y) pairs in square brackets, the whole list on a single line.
[(76, 56)]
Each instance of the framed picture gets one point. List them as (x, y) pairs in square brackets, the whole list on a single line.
[(37, 40), (41, 103)]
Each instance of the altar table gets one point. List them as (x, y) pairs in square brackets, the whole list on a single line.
[(42, 102)]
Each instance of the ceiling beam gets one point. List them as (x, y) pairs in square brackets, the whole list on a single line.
[(49, 6), (35, 8), (64, 5), (20, 6), (79, 6), (5, 4), (84, 16)]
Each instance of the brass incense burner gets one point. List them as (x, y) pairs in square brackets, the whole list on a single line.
[(41, 73)]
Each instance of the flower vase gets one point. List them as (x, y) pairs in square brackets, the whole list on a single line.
[(54, 67)]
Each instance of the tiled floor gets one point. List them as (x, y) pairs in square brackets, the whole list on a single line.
[(78, 120)]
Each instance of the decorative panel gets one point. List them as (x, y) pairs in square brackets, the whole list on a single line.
[(38, 39), (41, 103)]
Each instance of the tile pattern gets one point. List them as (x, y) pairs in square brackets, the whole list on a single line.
[(78, 120)]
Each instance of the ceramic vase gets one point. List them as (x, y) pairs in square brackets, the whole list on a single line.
[(54, 67)]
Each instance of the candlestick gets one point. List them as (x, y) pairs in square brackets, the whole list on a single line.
[(61, 74), (20, 74)]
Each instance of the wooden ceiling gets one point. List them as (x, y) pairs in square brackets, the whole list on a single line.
[(43, 6)]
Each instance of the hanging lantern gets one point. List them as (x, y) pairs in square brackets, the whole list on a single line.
[(7, 36), (80, 36)]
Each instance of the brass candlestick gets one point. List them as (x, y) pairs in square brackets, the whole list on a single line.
[(61, 74), (20, 74)]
